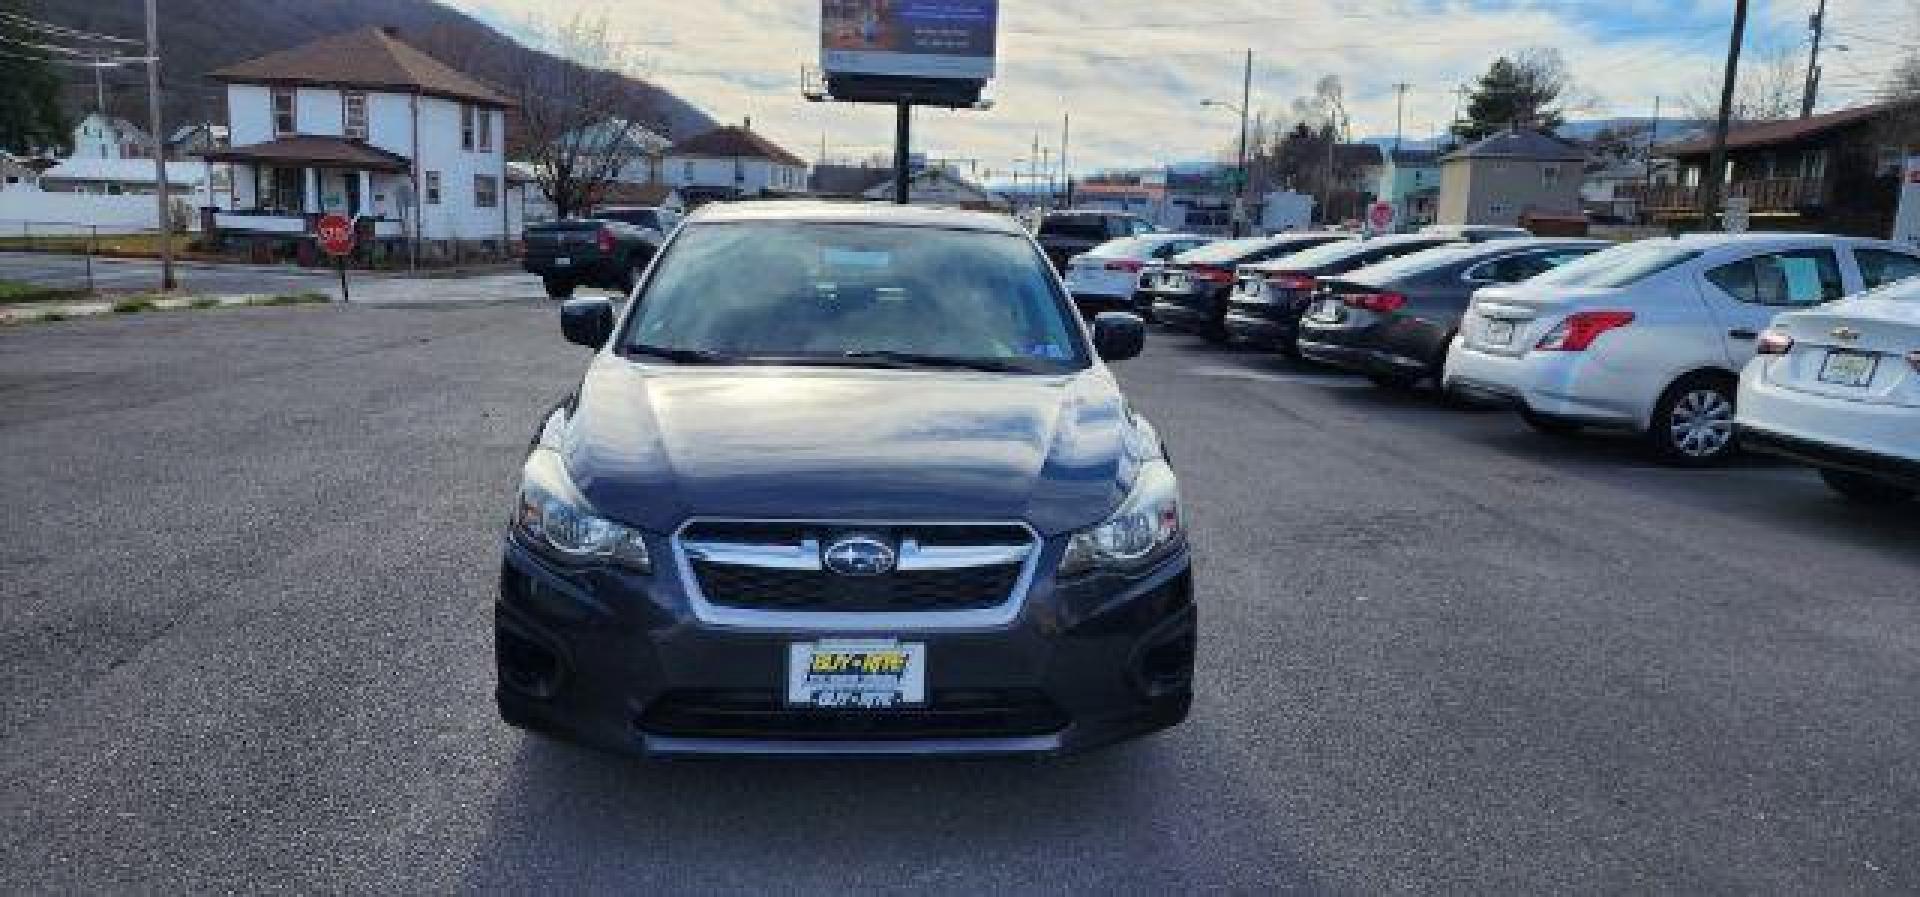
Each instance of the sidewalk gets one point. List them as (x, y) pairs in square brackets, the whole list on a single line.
[(382, 291)]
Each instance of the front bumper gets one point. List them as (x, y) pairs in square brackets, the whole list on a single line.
[(621, 661)]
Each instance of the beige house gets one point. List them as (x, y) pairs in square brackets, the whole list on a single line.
[(1510, 176)]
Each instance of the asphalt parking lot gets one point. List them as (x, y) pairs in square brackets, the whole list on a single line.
[(245, 645)]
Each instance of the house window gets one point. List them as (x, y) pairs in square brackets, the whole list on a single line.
[(433, 188), (1550, 175), (354, 114), (284, 120), (1813, 165), (485, 127), (467, 126), (689, 171), (486, 191)]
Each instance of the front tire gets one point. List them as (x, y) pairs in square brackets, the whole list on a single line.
[(557, 287), (1865, 489), (1693, 423)]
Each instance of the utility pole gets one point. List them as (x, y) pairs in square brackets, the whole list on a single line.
[(1818, 23), (1646, 188), (1066, 174), (1716, 173), (159, 148), (1246, 100), (1399, 111), (100, 64), (902, 127)]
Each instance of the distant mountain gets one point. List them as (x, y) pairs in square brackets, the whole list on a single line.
[(198, 36)]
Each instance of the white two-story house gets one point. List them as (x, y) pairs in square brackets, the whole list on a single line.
[(732, 162), (367, 126)]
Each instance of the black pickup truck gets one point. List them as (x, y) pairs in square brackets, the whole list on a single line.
[(609, 250)]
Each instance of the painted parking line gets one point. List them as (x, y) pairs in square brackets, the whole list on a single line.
[(1337, 381)]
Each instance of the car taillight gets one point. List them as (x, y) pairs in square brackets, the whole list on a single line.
[(1383, 303), (1128, 265), (1292, 282), (1211, 274), (606, 240), (1773, 341), (1580, 329)]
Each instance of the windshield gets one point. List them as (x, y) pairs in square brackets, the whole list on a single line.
[(1422, 262), (1334, 252), (1082, 227), (640, 217), (1225, 251), (833, 293), (1131, 247), (1620, 266)]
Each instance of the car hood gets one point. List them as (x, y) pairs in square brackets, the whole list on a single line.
[(653, 445)]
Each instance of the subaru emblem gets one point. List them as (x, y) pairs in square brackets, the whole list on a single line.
[(859, 556)]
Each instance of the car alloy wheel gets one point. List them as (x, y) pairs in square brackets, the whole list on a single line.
[(1700, 424)]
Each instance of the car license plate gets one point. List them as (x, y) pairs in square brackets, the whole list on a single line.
[(1331, 311), (859, 674), (562, 261), (1848, 368), (1499, 333)]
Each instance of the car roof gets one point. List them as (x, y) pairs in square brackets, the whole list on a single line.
[(814, 211), (1764, 238)]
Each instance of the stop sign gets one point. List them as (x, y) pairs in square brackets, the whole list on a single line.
[(1380, 216), (335, 233)]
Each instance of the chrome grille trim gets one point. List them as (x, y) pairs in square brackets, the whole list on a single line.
[(924, 557)]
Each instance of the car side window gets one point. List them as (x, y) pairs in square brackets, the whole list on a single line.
[(1798, 278), (1879, 267), (1510, 269)]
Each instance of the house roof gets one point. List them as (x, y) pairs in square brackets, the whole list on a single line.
[(307, 149), (934, 179), (1519, 143), (371, 58), (620, 193), (733, 141), (846, 180), (1773, 133), (1358, 154)]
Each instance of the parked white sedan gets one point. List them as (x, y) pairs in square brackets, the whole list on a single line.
[(1106, 277), (1651, 336), (1838, 387)]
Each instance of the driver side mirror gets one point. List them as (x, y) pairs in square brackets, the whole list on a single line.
[(1118, 335), (588, 322)]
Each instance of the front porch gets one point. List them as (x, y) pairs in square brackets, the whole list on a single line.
[(282, 188)]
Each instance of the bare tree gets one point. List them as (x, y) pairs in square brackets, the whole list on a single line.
[(582, 118), (1769, 89)]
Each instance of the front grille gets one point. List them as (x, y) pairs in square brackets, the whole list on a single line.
[(951, 713), (780, 566)]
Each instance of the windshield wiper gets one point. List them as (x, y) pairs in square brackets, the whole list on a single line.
[(682, 356), (917, 359)]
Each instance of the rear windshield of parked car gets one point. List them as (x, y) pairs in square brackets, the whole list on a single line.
[(1225, 251), (1079, 227), (818, 291), (1129, 247), (639, 217), (1620, 266), (1341, 251)]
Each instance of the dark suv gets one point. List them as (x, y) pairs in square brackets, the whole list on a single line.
[(609, 250), (1066, 234), (846, 480)]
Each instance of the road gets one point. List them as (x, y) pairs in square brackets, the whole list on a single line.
[(122, 275), (244, 645)]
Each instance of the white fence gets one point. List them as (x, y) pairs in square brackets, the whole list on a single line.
[(30, 210)]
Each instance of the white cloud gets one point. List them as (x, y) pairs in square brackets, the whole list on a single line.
[(1132, 73)]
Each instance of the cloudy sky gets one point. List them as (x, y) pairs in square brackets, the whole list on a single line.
[(1132, 73)]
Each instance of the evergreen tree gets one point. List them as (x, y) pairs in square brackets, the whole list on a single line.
[(31, 119), (1518, 91)]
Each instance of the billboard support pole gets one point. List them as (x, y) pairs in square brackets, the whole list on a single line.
[(902, 128)]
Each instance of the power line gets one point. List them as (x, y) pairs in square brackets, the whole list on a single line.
[(70, 33)]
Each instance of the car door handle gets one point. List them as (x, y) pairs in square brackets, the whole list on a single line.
[(1744, 334)]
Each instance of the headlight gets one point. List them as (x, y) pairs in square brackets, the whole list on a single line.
[(1137, 534), (552, 517)]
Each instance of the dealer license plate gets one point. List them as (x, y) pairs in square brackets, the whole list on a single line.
[(562, 261), (1332, 311), (1848, 368), (1499, 333), (859, 674)]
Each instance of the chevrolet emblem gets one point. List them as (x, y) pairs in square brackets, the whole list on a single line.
[(1845, 334)]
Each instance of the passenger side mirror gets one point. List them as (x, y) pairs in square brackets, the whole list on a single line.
[(1118, 335), (588, 322)]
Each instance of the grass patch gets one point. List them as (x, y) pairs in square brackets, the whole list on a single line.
[(133, 306), (16, 291), (306, 298)]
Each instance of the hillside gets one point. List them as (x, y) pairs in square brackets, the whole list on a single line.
[(198, 36)]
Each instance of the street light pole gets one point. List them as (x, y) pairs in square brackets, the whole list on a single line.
[(159, 148), (1246, 100)]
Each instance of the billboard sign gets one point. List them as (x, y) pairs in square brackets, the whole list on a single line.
[(936, 39)]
